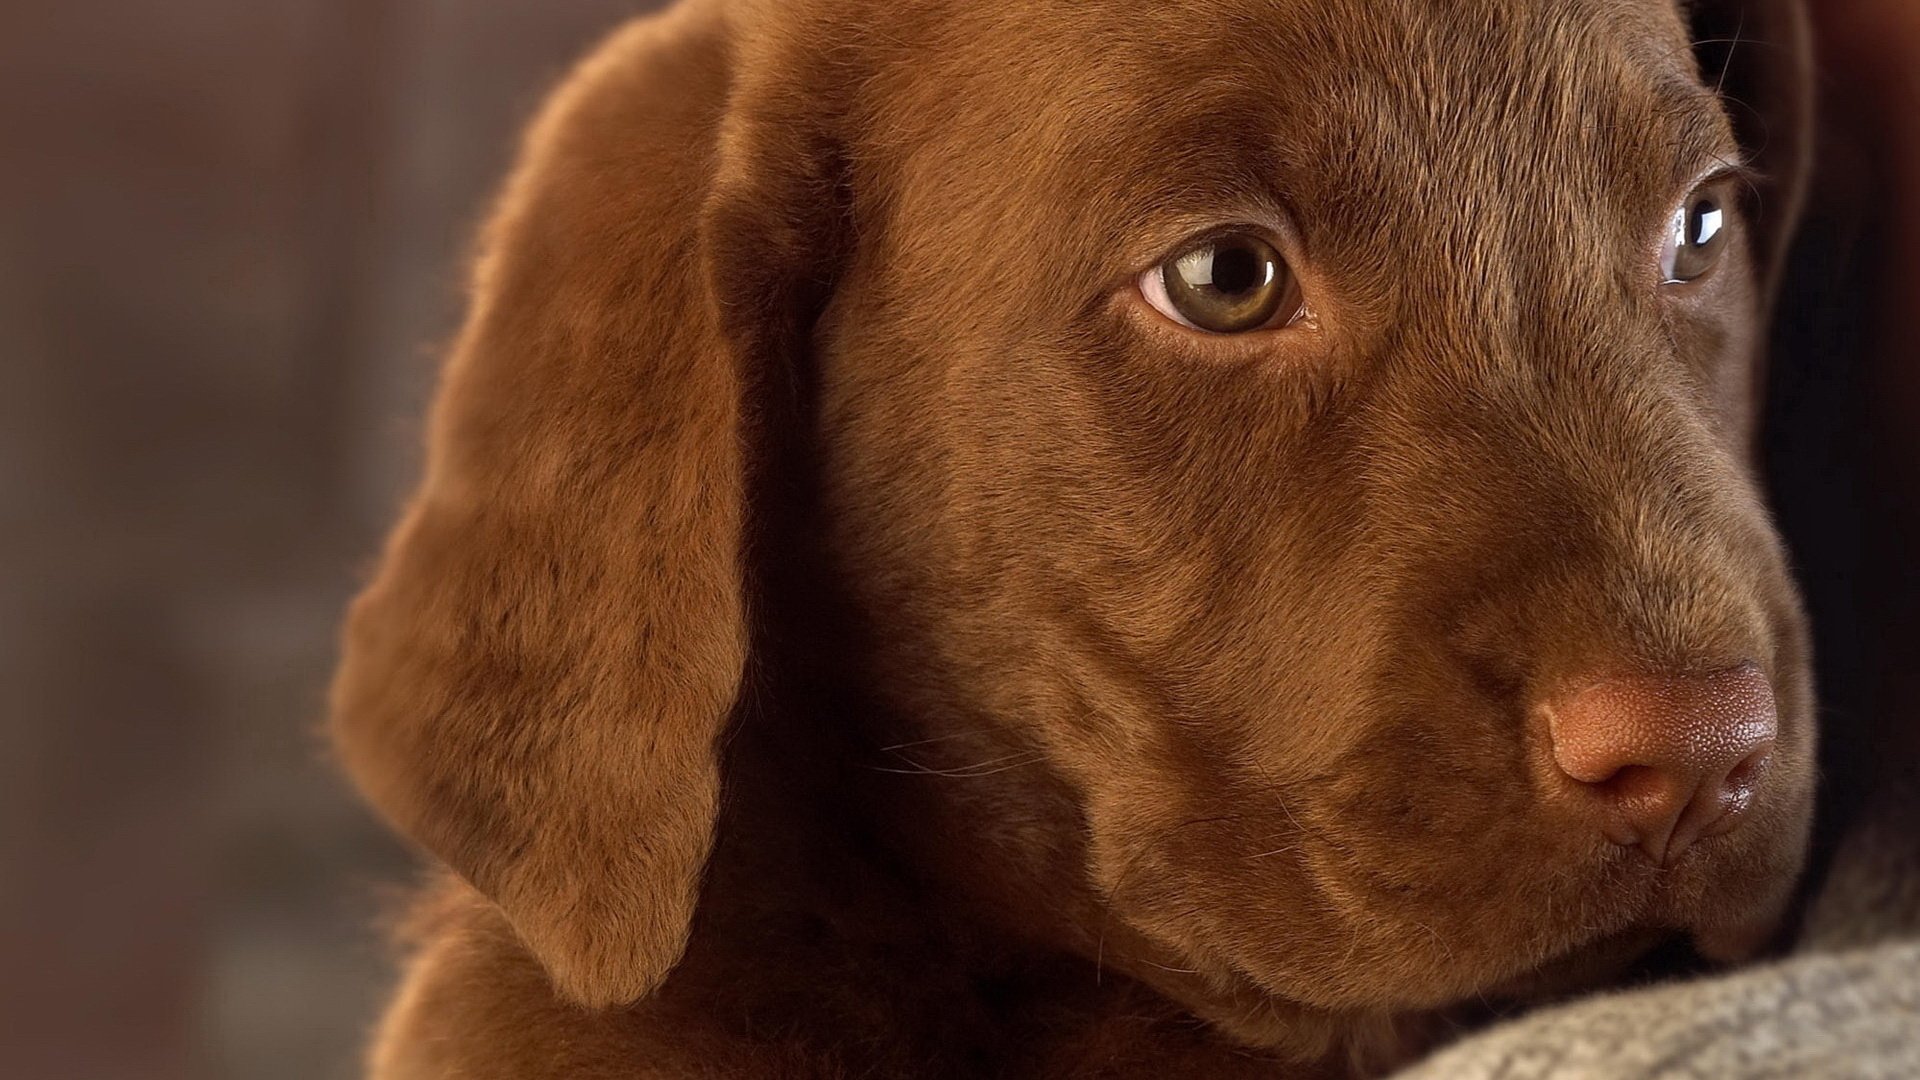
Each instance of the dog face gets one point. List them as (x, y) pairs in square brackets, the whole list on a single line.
[(1288, 597), (1311, 440)]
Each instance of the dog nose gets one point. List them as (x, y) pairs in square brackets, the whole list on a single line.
[(1667, 759)]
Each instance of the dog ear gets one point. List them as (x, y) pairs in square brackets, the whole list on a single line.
[(1759, 55), (534, 683)]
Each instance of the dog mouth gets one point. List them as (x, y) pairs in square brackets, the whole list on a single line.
[(1632, 957), (1624, 920), (1661, 943), (1648, 950), (1400, 915), (1709, 908)]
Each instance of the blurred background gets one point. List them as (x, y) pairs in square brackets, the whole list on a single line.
[(232, 240)]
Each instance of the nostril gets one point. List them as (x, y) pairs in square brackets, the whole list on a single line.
[(1639, 804), (1737, 791), (1748, 772)]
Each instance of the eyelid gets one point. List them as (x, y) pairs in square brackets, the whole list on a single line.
[(1276, 239), (1736, 175), (1168, 235)]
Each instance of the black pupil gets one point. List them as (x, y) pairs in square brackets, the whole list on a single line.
[(1238, 270)]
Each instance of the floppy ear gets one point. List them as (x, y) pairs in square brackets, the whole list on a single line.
[(534, 683), (1759, 54)]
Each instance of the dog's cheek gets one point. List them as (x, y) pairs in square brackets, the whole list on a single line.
[(1716, 340)]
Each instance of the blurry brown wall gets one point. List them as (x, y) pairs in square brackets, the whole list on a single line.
[(231, 237), (1873, 59)]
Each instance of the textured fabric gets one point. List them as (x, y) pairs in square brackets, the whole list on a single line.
[(1849, 1015)]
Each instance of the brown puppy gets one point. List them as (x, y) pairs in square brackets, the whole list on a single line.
[(962, 537)]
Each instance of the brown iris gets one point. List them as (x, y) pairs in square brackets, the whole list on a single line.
[(1230, 284), (1696, 237)]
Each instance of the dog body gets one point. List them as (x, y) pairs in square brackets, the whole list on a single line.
[(850, 627)]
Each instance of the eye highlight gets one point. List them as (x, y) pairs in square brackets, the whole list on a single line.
[(1226, 283), (1697, 236)]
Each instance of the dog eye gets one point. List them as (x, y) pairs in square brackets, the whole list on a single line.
[(1696, 238), (1226, 284)]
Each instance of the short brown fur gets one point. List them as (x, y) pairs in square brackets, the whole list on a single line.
[(842, 632)]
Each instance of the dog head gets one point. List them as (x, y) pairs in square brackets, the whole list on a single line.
[(1311, 440)]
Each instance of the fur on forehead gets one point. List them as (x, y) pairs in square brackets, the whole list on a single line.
[(1125, 116)]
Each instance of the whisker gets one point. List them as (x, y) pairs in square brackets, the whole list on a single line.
[(1175, 970), (937, 739), (1733, 48), (1106, 905), (964, 772), (1752, 42), (1274, 788), (976, 765)]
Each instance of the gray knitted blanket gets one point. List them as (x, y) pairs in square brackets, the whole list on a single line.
[(1846, 1004)]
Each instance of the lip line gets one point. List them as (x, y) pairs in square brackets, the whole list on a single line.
[(1641, 907)]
